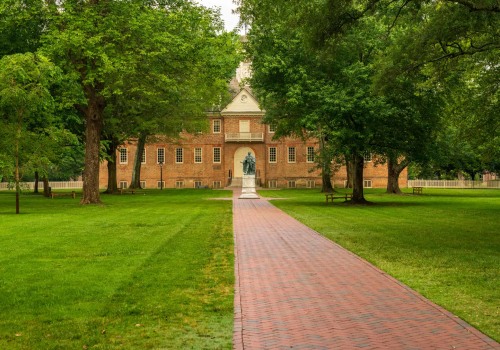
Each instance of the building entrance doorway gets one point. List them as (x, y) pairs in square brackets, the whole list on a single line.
[(239, 156)]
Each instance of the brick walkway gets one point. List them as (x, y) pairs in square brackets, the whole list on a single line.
[(298, 290)]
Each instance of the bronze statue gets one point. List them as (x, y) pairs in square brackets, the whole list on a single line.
[(249, 164)]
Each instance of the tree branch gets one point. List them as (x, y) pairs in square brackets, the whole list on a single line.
[(474, 7)]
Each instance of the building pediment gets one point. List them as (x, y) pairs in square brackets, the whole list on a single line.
[(244, 103)]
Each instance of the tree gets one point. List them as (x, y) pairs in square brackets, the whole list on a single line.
[(454, 46), (304, 86), (22, 24), (108, 46), (25, 106)]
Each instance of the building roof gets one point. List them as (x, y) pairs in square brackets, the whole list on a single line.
[(244, 103)]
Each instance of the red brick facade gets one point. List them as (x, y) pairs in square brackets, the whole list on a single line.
[(213, 159)]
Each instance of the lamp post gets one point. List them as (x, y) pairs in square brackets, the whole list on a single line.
[(161, 175)]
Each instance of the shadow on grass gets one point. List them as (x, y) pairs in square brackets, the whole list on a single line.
[(347, 204)]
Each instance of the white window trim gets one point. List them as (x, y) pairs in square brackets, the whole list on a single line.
[(307, 154), (244, 126), (294, 155), (368, 157), (219, 121), (201, 155), (220, 155), (143, 156), (181, 155), (158, 155), (275, 155), (126, 155), (197, 184)]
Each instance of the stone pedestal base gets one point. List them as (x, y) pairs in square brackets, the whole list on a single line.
[(248, 187)]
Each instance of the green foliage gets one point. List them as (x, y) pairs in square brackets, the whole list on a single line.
[(141, 68), (455, 46), (325, 85), (21, 24), (157, 273), (26, 112), (444, 243)]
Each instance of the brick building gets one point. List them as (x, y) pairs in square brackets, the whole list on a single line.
[(213, 159)]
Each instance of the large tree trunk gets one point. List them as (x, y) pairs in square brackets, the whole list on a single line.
[(326, 169), (112, 182), (394, 169), (327, 183), (36, 182), (17, 177), (358, 165), (46, 187), (94, 114), (349, 172), (136, 173)]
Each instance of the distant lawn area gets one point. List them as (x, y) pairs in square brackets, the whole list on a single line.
[(445, 243), (144, 271)]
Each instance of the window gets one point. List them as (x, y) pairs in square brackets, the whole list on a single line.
[(143, 157), (160, 155), (217, 126), (179, 184), (244, 125), (197, 155), (272, 128), (367, 183), (311, 183), (123, 156), (272, 155), (198, 184), (310, 154), (217, 155), (123, 184), (160, 184), (216, 184), (367, 157), (291, 155), (291, 184), (179, 155), (272, 184), (143, 184)]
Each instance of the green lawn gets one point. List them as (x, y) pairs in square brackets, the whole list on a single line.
[(156, 270), (445, 243), (139, 272)]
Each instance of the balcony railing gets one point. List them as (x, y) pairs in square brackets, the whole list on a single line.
[(245, 137)]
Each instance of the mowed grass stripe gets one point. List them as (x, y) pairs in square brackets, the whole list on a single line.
[(152, 271)]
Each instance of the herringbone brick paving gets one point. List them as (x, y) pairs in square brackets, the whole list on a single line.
[(298, 290)]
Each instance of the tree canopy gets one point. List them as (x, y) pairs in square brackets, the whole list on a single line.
[(138, 63), (373, 75)]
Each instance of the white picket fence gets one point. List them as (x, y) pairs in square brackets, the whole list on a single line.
[(454, 183), (411, 183), (53, 184)]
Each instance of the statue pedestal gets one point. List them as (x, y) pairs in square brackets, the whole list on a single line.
[(248, 188)]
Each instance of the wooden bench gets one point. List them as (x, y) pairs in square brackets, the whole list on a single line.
[(67, 194), (332, 196), (417, 190), (127, 191)]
